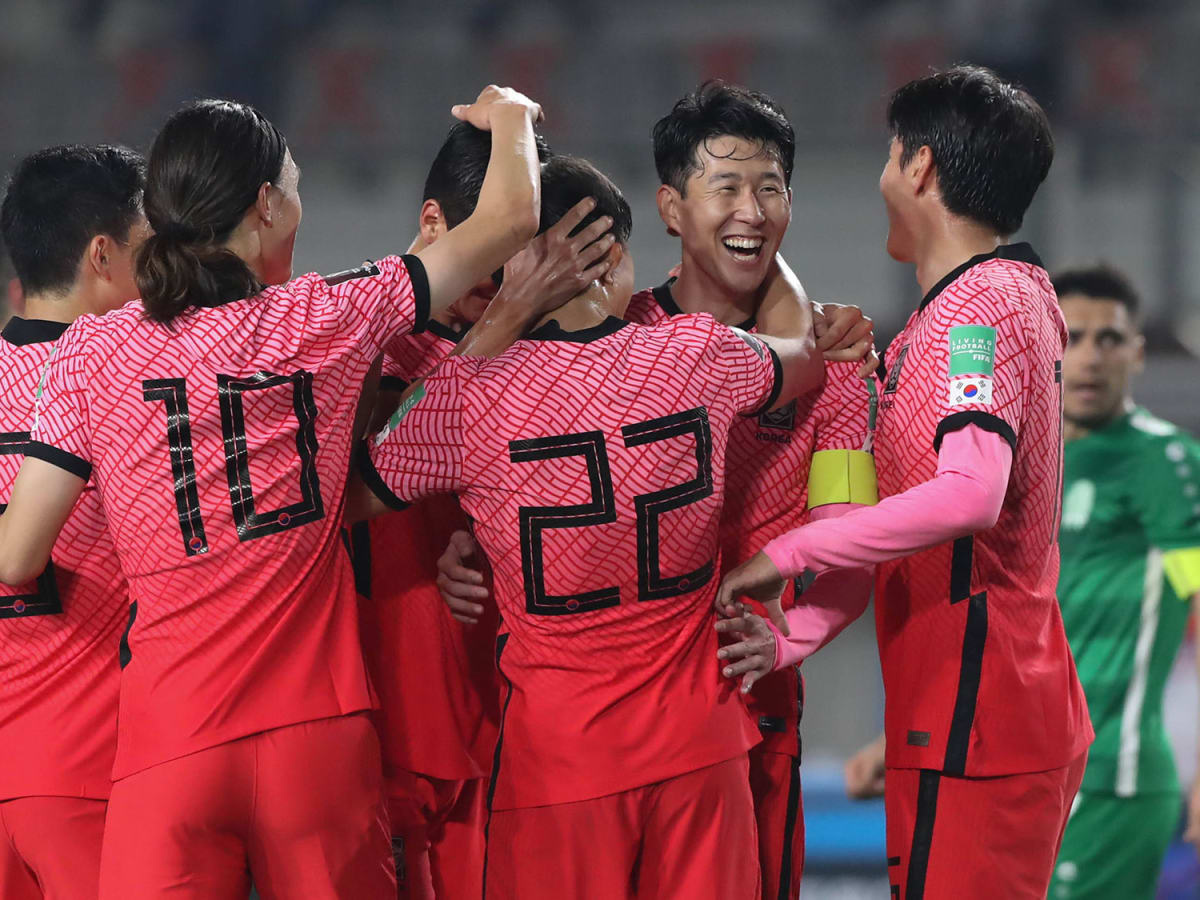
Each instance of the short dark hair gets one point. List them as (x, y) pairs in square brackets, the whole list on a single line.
[(456, 176), (58, 199), (206, 166), (1100, 281), (712, 110), (990, 140), (568, 179)]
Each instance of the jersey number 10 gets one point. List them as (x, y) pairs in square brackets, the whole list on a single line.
[(251, 522)]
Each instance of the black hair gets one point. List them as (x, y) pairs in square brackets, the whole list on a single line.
[(713, 110), (1099, 282), (58, 199), (456, 175), (206, 167), (990, 140), (566, 180)]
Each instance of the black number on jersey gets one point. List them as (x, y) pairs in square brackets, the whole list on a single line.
[(652, 584), (44, 599), (173, 392), (536, 519), (250, 522)]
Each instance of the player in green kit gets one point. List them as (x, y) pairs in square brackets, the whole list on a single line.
[(1130, 544)]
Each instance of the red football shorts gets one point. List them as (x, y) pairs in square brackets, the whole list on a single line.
[(299, 809), (437, 835), (50, 846), (983, 838), (779, 811), (691, 836)]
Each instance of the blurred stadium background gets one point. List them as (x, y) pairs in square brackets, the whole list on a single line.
[(362, 89)]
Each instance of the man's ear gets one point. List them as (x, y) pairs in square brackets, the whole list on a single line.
[(668, 208), (97, 256), (921, 171), (614, 256), (432, 222)]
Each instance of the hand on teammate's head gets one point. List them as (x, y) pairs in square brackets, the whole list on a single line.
[(557, 266), (489, 100)]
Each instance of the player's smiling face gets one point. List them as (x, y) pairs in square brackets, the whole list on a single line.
[(734, 212), (1104, 353)]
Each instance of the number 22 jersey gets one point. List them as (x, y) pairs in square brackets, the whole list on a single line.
[(221, 445), (593, 464)]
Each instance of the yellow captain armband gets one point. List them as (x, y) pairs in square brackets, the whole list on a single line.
[(1183, 571), (842, 476)]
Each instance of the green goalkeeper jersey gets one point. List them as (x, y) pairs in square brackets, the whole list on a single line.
[(1130, 542)]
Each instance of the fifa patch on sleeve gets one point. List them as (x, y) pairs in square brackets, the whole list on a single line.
[(403, 410), (972, 364)]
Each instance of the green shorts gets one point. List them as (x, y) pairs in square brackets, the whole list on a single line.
[(1114, 846)]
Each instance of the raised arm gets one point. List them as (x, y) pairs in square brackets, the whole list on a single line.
[(506, 217), (785, 324)]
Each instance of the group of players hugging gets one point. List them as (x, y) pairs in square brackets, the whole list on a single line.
[(648, 507)]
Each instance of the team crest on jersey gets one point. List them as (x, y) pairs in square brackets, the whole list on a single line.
[(777, 425), (366, 270)]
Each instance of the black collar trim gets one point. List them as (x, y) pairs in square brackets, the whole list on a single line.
[(1016, 252), (32, 331), (552, 331), (665, 299), (445, 332)]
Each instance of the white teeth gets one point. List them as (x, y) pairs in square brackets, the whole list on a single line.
[(743, 243)]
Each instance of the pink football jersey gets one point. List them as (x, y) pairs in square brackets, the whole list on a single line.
[(436, 679), (767, 470), (59, 669), (221, 446), (593, 465), (978, 674)]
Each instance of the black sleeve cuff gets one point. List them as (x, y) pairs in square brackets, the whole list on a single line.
[(61, 458), (775, 389), (420, 285), (983, 420), (372, 479)]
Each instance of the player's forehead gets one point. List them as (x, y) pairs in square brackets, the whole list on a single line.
[(1086, 313), (727, 157)]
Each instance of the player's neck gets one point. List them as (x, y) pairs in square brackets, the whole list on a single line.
[(695, 292), (948, 243), (582, 311), (52, 307)]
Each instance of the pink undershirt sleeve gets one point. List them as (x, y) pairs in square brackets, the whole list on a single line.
[(829, 604), (964, 496)]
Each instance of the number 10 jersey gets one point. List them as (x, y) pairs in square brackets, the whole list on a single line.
[(221, 445), (593, 464)]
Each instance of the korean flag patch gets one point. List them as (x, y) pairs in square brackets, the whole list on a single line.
[(970, 390)]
